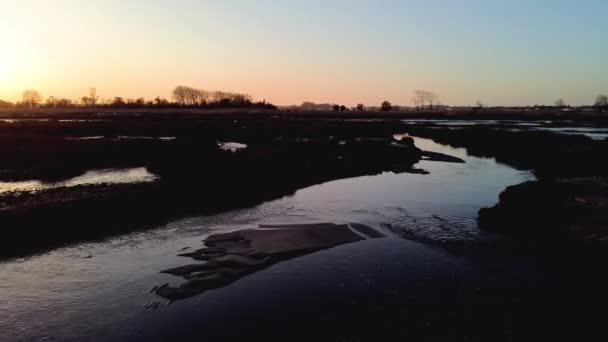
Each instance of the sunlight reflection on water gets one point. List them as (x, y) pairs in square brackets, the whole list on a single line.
[(53, 294), (109, 176)]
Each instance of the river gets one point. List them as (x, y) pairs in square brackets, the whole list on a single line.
[(101, 290)]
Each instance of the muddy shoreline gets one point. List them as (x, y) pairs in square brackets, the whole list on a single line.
[(568, 203), (101, 114), (284, 152), (254, 271), (195, 177)]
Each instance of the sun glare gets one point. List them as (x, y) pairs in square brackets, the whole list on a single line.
[(8, 71), (3, 70), (5, 67), (7, 79)]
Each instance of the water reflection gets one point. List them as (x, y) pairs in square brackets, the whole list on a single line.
[(52, 295), (110, 176), (596, 133), (231, 146)]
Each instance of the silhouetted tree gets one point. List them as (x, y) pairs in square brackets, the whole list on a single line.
[(55, 102), (31, 98), (183, 96), (431, 98), (218, 96), (336, 108), (50, 102), (343, 108), (601, 102), (118, 102), (386, 106), (418, 99), (187, 96), (160, 101), (422, 97), (139, 102), (179, 95), (360, 107), (90, 100), (200, 97), (93, 96)]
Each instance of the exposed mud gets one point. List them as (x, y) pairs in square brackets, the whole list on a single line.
[(231, 256)]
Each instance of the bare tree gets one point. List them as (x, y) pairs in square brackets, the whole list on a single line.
[(431, 98), (93, 96), (201, 97), (418, 99), (422, 97), (479, 104), (56, 102), (601, 102), (187, 96), (31, 98), (92, 99), (190, 96), (219, 96), (179, 95), (560, 103)]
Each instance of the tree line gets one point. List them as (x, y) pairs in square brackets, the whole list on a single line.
[(182, 96), (420, 99)]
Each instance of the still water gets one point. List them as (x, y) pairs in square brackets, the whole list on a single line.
[(558, 127), (109, 176), (100, 290)]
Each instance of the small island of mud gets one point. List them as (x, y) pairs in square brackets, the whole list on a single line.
[(230, 256)]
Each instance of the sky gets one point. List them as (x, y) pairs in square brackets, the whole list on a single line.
[(501, 52)]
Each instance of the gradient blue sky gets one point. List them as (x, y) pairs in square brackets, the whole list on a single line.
[(500, 52)]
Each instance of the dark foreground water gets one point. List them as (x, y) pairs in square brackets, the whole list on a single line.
[(426, 278)]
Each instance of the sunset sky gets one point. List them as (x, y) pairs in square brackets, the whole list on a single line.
[(514, 52)]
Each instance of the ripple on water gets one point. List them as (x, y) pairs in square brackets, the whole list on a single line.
[(115, 276)]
